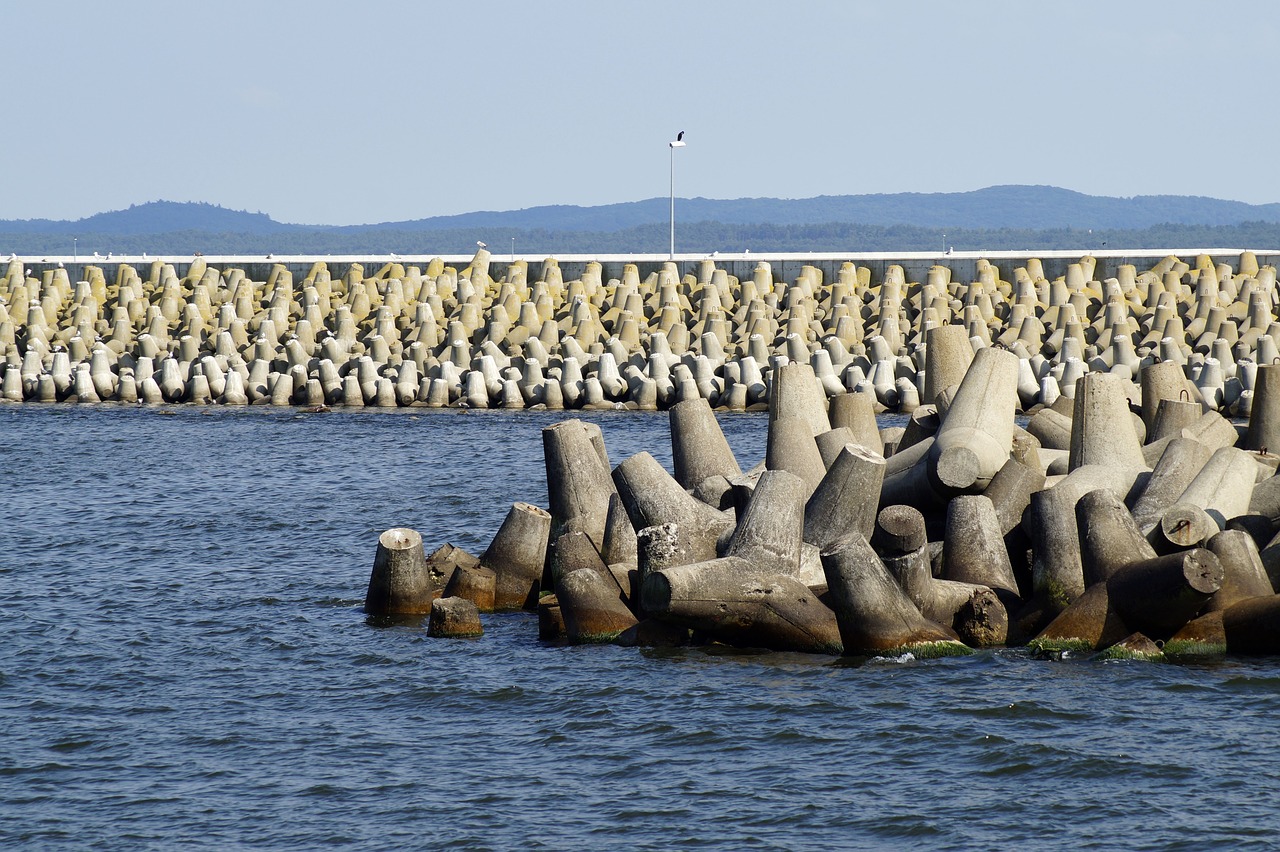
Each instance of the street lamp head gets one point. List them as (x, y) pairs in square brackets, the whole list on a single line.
[(678, 142)]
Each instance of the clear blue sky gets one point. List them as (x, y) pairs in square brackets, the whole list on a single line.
[(354, 112)]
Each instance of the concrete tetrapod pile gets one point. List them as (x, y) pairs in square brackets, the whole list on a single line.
[(491, 336), (965, 530)]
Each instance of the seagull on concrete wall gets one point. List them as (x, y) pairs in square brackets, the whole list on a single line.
[(482, 245)]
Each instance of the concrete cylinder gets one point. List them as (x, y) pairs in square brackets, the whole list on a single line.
[(474, 583), (1051, 428), (1109, 536), (659, 547), (974, 550), (1158, 596), (1243, 574), (570, 552), (768, 535), (1252, 626), (1172, 416), (1264, 418), (1181, 461), (1214, 431), (698, 446), (1057, 571), (731, 601), (857, 412), (791, 447), (578, 480), (1163, 380), (454, 618), (1182, 526), (795, 392), (400, 583), (846, 498), (474, 391), (1224, 486), (947, 358), (592, 611), (653, 497), (976, 434), (902, 545), (1010, 492), (1087, 625), (831, 443), (619, 536), (517, 555), (1101, 428), (873, 613)]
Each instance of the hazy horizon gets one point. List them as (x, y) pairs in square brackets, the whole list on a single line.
[(326, 113)]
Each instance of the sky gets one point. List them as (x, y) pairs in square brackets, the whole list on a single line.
[(320, 112)]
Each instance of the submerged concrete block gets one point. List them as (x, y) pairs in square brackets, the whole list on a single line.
[(454, 618)]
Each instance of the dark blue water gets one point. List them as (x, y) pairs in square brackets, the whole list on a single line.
[(185, 664)]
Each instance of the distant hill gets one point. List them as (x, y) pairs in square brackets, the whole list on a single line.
[(1012, 217), (1034, 207), (1030, 207), (154, 217)]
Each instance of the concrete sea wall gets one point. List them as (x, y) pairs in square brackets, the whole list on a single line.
[(642, 332)]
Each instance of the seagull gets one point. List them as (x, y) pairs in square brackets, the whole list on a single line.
[(482, 245), (679, 141)]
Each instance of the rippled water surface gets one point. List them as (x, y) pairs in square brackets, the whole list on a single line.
[(185, 663)]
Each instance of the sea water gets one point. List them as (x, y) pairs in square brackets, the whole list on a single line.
[(184, 663)]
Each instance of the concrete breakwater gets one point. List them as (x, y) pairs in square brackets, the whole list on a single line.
[(1143, 525), (489, 334)]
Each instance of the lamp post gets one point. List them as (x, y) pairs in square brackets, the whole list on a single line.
[(678, 142), (75, 250)]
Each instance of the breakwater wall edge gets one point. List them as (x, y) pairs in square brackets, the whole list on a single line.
[(915, 266)]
